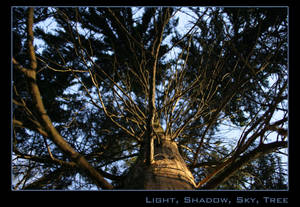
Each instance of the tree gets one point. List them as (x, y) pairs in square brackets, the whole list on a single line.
[(264, 176), (118, 98)]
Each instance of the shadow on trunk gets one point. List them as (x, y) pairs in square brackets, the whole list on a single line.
[(167, 172)]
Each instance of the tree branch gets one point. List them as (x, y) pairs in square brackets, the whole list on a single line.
[(44, 180), (64, 164), (225, 174), (149, 142), (44, 118)]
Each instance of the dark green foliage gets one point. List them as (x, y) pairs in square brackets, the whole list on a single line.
[(265, 173)]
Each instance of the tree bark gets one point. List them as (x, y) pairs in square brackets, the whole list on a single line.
[(167, 172)]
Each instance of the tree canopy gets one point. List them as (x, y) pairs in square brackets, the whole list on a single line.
[(90, 82)]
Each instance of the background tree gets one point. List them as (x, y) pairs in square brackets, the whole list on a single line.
[(118, 98)]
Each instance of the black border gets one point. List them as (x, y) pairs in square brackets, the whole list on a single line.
[(143, 198)]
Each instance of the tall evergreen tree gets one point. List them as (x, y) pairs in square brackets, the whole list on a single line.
[(119, 98)]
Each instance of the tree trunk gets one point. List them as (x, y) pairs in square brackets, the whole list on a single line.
[(167, 172)]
